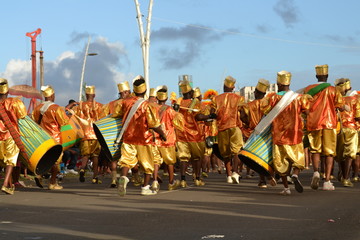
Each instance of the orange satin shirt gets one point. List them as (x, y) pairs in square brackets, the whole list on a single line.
[(254, 113), (52, 120), (90, 111), (192, 130), (170, 120), (322, 113), (139, 130), (227, 109), (287, 127), (348, 118), (15, 109), (111, 106)]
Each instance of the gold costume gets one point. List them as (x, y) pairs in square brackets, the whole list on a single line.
[(51, 120), (322, 141), (170, 120), (287, 132), (322, 117), (89, 112), (138, 142), (350, 144), (227, 106), (168, 154), (16, 110), (190, 150), (230, 142), (9, 152), (349, 134), (287, 156)]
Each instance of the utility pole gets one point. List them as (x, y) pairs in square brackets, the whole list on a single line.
[(145, 41), (33, 36)]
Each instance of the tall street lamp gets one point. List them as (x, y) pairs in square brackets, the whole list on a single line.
[(83, 68)]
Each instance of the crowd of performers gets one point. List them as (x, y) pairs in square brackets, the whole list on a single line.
[(320, 121)]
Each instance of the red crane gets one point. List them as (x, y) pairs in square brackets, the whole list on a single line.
[(33, 36)]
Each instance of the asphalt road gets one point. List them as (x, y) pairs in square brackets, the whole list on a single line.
[(215, 211)]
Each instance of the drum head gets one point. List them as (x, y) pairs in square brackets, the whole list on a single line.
[(105, 151), (48, 159)]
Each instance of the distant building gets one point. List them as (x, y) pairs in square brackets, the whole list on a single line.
[(248, 92)]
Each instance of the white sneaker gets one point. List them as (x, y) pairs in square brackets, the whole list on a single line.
[(72, 171), (229, 179), (146, 191), (285, 192), (123, 181), (315, 180), (328, 186), (235, 177)]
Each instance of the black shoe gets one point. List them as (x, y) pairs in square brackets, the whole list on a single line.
[(38, 182), (113, 184), (82, 175), (298, 187)]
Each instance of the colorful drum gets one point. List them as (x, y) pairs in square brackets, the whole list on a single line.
[(257, 152), (107, 130), (41, 149), (71, 133)]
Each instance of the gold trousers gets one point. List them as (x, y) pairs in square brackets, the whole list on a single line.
[(132, 154), (168, 154), (190, 151), (286, 157), (9, 152), (323, 141), (230, 142)]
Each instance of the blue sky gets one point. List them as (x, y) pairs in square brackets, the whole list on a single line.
[(208, 39)]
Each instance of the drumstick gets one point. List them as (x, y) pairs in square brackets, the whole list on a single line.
[(190, 109)]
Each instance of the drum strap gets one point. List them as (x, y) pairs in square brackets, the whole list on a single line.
[(279, 107), (43, 109), (132, 112), (13, 132)]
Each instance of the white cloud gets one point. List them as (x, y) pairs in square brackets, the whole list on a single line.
[(104, 71)]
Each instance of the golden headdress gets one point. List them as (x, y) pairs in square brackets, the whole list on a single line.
[(284, 77), (197, 92), (185, 86), (322, 69), (4, 87), (263, 85), (152, 92), (123, 86), (229, 82), (339, 81), (47, 91), (90, 89), (162, 95), (347, 84), (142, 87)]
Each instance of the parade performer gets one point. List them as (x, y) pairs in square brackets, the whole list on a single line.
[(206, 128), (227, 106), (321, 125), (169, 119), (51, 117), (137, 141), (191, 143), (89, 111), (110, 108), (287, 132), (349, 132), (11, 109), (251, 115)]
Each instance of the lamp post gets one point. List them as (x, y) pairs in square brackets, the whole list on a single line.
[(83, 68)]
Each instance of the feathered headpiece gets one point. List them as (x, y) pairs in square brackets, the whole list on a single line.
[(209, 94)]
